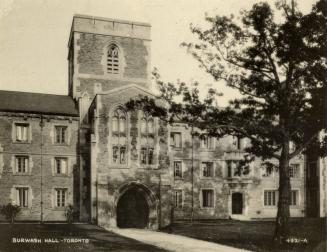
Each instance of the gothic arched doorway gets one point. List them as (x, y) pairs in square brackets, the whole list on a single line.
[(133, 209)]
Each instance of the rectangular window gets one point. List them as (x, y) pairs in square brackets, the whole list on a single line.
[(176, 139), (22, 196), (207, 198), (237, 142), (294, 170), (21, 164), (61, 165), (294, 198), (178, 198), (143, 155), (233, 168), (60, 134), (147, 156), (22, 132), (119, 154), (207, 169), (61, 197), (267, 172), (150, 156), (122, 154), (178, 173), (207, 142), (270, 198)]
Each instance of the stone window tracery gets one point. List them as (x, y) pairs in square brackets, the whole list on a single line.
[(147, 140), (119, 126), (113, 59)]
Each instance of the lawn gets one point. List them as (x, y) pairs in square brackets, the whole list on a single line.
[(61, 237), (256, 235)]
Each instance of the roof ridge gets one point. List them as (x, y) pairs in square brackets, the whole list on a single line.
[(25, 92)]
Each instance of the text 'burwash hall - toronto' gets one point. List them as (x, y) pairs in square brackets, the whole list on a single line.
[(125, 168)]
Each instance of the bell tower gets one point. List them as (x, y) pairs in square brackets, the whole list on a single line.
[(107, 53)]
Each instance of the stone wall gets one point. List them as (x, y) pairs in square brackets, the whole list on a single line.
[(251, 186), (41, 164)]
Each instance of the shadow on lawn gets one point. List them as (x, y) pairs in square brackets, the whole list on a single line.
[(88, 237), (256, 235)]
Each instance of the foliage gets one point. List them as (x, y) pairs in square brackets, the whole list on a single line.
[(71, 213), (10, 211), (280, 69)]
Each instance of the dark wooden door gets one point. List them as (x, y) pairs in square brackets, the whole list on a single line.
[(132, 210), (237, 203)]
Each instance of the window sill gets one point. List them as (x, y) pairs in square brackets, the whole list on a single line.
[(119, 166), (207, 208), (22, 142), (176, 148), (178, 178), (152, 167), (60, 175), (61, 144), (207, 178), (207, 149), (22, 174), (59, 208), (26, 208)]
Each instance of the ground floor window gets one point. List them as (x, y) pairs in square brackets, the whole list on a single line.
[(178, 198), (207, 198), (61, 195), (22, 196), (294, 198), (270, 198)]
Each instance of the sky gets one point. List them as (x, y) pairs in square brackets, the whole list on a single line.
[(34, 36)]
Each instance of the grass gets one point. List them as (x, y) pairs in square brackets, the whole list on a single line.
[(256, 235), (99, 239)]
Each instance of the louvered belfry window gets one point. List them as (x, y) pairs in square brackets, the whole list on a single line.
[(113, 60)]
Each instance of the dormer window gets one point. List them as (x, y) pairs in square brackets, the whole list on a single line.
[(113, 59)]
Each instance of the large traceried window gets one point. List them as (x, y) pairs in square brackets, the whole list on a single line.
[(147, 140), (119, 126), (113, 59)]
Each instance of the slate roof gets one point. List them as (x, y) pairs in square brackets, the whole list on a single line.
[(24, 102)]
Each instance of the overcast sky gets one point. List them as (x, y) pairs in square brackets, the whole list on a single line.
[(34, 36)]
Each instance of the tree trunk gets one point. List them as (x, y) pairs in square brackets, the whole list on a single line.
[(283, 213)]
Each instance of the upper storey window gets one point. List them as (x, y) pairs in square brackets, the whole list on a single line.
[(119, 137), (113, 59), (147, 140)]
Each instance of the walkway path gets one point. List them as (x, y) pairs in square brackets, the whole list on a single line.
[(173, 242)]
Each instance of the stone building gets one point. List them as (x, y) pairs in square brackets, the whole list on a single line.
[(124, 168), (38, 154)]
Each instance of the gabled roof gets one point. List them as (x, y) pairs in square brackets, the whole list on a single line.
[(12, 101), (126, 87)]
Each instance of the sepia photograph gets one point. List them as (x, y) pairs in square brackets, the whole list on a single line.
[(161, 125)]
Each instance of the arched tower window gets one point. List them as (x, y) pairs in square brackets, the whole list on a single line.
[(147, 140), (119, 126), (113, 59)]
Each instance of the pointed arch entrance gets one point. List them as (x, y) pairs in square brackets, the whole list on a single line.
[(136, 207)]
